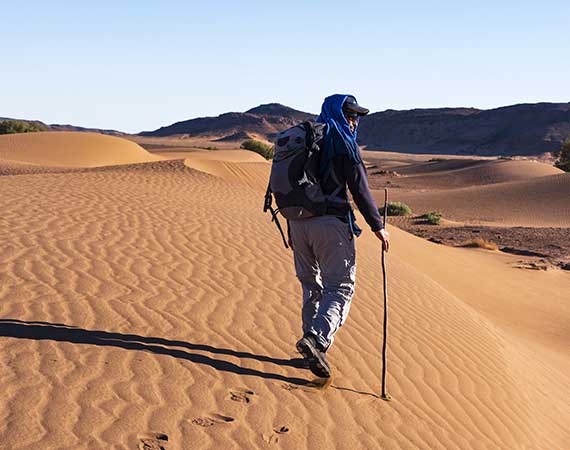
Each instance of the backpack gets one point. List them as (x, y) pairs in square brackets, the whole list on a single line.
[(294, 181)]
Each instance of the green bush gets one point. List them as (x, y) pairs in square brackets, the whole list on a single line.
[(396, 209), (256, 146), (19, 126), (433, 218), (201, 147), (562, 156)]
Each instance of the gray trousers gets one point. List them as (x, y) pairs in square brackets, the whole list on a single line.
[(325, 263)]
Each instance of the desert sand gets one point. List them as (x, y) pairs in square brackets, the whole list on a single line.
[(150, 304), (71, 149), (492, 192)]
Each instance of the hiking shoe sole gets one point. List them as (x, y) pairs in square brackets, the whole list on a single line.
[(318, 363)]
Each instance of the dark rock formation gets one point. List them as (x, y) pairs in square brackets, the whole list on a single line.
[(265, 121), (524, 129)]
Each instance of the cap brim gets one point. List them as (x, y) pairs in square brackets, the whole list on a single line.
[(356, 109)]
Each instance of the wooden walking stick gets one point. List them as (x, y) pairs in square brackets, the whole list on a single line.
[(385, 395)]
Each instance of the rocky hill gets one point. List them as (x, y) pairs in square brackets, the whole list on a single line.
[(524, 129), (264, 121), (58, 127)]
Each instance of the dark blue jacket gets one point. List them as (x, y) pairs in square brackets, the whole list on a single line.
[(340, 150), (352, 175)]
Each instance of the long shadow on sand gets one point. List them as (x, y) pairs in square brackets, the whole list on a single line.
[(65, 333)]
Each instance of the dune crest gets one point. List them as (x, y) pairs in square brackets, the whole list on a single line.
[(71, 149), (536, 202), (462, 173)]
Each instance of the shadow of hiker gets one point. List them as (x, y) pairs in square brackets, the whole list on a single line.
[(65, 333)]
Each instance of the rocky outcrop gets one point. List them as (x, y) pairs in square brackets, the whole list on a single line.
[(525, 129), (264, 120)]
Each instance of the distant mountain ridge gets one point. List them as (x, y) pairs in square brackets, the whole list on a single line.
[(277, 109), (523, 129), (264, 121), (59, 127)]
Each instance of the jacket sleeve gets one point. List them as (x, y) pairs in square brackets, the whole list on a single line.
[(357, 182)]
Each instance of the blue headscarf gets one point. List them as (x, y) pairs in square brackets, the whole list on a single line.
[(339, 140)]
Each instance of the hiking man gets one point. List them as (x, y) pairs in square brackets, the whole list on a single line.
[(323, 246)]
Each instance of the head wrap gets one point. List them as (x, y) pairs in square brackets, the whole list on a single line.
[(339, 140)]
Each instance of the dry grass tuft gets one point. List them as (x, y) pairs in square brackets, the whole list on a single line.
[(480, 243)]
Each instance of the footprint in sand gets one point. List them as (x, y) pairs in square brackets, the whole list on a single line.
[(317, 385), (153, 441), (211, 421), (220, 419), (274, 437), (243, 395)]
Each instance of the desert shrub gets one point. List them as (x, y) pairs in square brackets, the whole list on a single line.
[(20, 126), (256, 146), (505, 158), (396, 209), (437, 159), (202, 147), (562, 156), (390, 173), (480, 243), (433, 218)]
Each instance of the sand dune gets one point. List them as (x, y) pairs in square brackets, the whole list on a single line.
[(242, 166), (460, 173), (537, 202), (393, 160), (71, 149), (503, 170), (452, 174), (253, 175), (8, 167), (154, 299), (232, 156)]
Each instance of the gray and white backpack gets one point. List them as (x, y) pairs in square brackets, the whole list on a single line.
[(294, 181)]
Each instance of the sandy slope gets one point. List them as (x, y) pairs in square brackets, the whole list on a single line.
[(462, 173), (496, 170), (232, 156), (478, 191), (71, 149), (155, 298), (240, 166), (538, 202), (394, 160)]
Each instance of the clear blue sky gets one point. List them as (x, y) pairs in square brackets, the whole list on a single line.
[(138, 65)]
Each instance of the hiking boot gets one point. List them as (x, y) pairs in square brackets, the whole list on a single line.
[(308, 347)]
